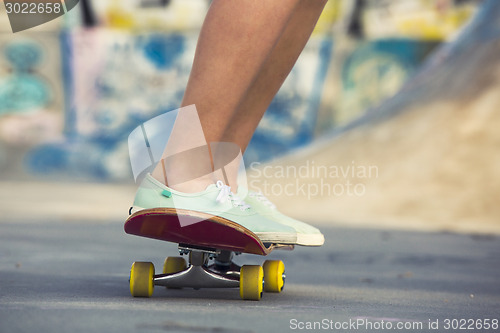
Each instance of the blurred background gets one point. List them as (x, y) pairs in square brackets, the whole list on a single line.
[(398, 86)]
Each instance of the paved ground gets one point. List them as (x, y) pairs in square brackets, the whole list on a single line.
[(74, 278)]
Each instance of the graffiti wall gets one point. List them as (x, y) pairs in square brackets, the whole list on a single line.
[(116, 81), (31, 91), (71, 94), (380, 45)]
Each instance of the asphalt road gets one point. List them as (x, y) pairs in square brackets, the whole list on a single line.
[(74, 278)]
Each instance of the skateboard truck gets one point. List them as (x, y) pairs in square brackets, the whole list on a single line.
[(199, 275), (222, 273)]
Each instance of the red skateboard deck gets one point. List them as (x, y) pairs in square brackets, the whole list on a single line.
[(211, 232)]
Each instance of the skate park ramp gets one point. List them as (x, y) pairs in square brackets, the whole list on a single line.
[(429, 157)]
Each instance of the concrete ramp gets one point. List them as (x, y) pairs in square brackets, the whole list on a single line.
[(428, 158)]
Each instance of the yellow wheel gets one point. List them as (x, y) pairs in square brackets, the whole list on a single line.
[(174, 265), (274, 279), (141, 279), (251, 278)]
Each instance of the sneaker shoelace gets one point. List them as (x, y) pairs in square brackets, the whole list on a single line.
[(226, 194), (262, 198)]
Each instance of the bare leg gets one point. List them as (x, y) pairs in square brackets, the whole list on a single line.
[(272, 75), (236, 39)]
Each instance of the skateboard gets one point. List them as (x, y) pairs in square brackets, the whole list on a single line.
[(209, 243)]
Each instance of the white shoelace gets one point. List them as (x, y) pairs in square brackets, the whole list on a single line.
[(262, 198), (226, 194)]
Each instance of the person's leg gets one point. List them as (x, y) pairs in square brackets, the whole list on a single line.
[(274, 72), (259, 96), (236, 39), (272, 75)]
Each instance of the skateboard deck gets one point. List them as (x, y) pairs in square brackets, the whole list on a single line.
[(208, 231), (207, 237)]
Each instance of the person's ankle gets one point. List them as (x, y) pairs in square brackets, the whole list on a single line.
[(191, 186)]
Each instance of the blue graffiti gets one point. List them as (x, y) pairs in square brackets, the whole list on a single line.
[(163, 50), (23, 90)]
